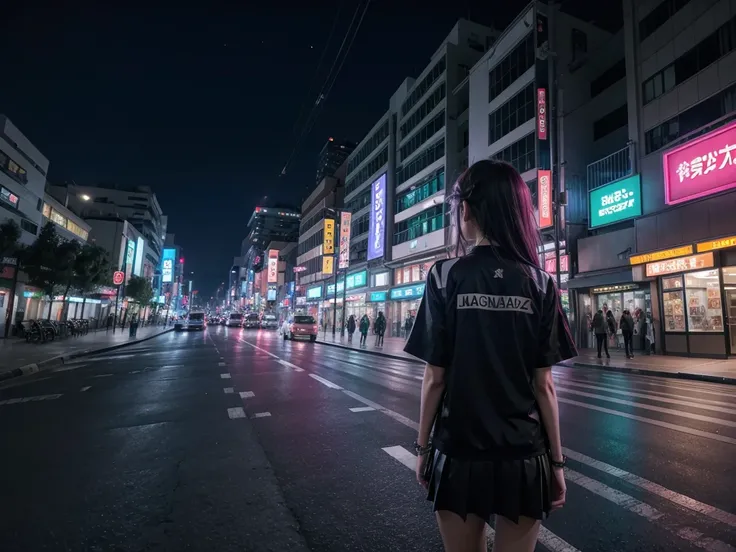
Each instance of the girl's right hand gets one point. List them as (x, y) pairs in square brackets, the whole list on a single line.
[(559, 488)]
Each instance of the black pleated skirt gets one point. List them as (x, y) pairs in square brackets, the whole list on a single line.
[(510, 488)]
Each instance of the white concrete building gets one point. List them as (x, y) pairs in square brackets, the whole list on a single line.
[(22, 180), (69, 226)]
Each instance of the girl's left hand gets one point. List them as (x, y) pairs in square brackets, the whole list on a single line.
[(421, 463)]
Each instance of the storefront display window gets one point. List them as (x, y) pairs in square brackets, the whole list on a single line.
[(381, 279), (673, 304), (703, 293), (412, 273)]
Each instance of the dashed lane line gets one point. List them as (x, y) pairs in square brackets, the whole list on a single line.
[(229, 390), (31, 399), (236, 412), (362, 409), (85, 388), (324, 381), (677, 498), (247, 394), (221, 364), (290, 365), (546, 537), (262, 415), (225, 376), (102, 375)]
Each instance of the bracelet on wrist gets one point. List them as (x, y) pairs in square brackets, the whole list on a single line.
[(558, 464), (422, 450)]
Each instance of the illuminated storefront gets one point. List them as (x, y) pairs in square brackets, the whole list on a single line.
[(404, 304)]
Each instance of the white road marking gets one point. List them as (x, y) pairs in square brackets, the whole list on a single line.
[(546, 537), (66, 368), (247, 394), (650, 513), (262, 415), (323, 381), (629, 393), (290, 365), (86, 388), (362, 409), (675, 427), (173, 366), (235, 412), (221, 364), (390, 413), (225, 376), (135, 372), (31, 399), (114, 357), (102, 375), (228, 390), (654, 488)]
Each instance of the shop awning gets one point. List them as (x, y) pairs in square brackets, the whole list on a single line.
[(620, 276)]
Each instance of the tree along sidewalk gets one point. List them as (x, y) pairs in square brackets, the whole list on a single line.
[(22, 354)]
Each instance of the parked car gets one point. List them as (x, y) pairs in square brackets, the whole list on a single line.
[(302, 326), (252, 320), (269, 322), (179, 324), (235, 320)]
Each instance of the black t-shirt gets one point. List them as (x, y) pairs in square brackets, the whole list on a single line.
[(490, 322)]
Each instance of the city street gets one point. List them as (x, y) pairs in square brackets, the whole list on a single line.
[(234, 439)]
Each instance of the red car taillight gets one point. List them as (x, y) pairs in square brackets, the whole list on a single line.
[(314, 329)]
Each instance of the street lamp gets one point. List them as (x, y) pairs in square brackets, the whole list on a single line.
[(84, 197)]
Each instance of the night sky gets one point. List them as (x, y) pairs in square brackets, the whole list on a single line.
[(204, 108)]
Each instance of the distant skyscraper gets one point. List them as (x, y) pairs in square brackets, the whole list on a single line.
[(333, 155)]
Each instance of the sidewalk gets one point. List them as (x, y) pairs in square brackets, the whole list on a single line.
[(704, 369), (18, 359)]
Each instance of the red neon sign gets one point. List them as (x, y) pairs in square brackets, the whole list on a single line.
[(544, 197), (701, 167), (541, 113)]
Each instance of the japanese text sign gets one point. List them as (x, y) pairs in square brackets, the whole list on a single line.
[(407, 292), (541, 113), (345, 221), (314, 292), (615, 202), (328, 265), (328, 242), (701, 167), (544, 198), (377, 222), (722, 243), (273, 266), (661, 255), (683, 264)]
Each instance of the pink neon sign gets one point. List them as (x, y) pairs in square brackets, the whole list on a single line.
[(701, 167)]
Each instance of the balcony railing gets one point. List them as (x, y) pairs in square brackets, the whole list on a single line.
[(612, 167)]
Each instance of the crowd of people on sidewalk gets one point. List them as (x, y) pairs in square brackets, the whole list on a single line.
[(364, 326), (606, 330)]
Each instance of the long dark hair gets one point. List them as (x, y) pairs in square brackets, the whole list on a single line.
[(501, 205)]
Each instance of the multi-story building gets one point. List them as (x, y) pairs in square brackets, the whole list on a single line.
[(669, 243), (332, 156), (137, 204), (315, 258), (22, 180), (69, 226)]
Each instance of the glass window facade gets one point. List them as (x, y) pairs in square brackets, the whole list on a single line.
[(515, 64), (425, 133), (365, 173), (425, 222), (412, 273), (423, 110), (57, 218), (424, 85), (520, 154), (659, 16), (703, 296), (420, 192), (421, 162), (366, 149), (608, 78), (610, 122), (13, 169), (514, 113)]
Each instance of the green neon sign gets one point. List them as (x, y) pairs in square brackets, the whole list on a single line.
[(614, 202)]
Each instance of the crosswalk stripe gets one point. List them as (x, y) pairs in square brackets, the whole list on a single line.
[(630, 393), (546, 537), (648, 512), (680, 499), (675, 427), (680, 413)]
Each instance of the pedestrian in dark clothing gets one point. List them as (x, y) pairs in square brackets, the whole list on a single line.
[(351, 328), (407, 326), (627, 329), (601, 332), (379, 326), (612, 326), (365, 324)]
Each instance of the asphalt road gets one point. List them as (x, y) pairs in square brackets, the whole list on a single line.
[(236, 440)]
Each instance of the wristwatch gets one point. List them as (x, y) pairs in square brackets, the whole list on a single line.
[(420, 450), (555, 464)]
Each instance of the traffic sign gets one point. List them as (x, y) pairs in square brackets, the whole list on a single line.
[(118, 277)]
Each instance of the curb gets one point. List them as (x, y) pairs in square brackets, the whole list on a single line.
[(377, 353), (53, 362), (657, 373)]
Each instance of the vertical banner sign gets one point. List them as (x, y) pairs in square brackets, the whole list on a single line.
[(377, 222), (273, 266), (541, 113), (328, 243), (167, 265), (544, 196), (129, 259), (327, 264), (345, 221)]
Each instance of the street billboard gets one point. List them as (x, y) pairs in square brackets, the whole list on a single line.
[(327, 265), (377, 222), (614, 202), (346, 219), (138, 265), (129, 259), (541, 113), (167, 265), (328, 241), (544, 198), (273, 266)]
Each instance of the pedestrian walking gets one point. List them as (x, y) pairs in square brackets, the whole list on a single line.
[(612, 327), (627, 330), (495, 449), (351, 328), (601, 332), (365, 324), (379, 326), (407, 326)]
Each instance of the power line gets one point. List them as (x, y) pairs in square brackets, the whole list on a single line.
[(329, 81)]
